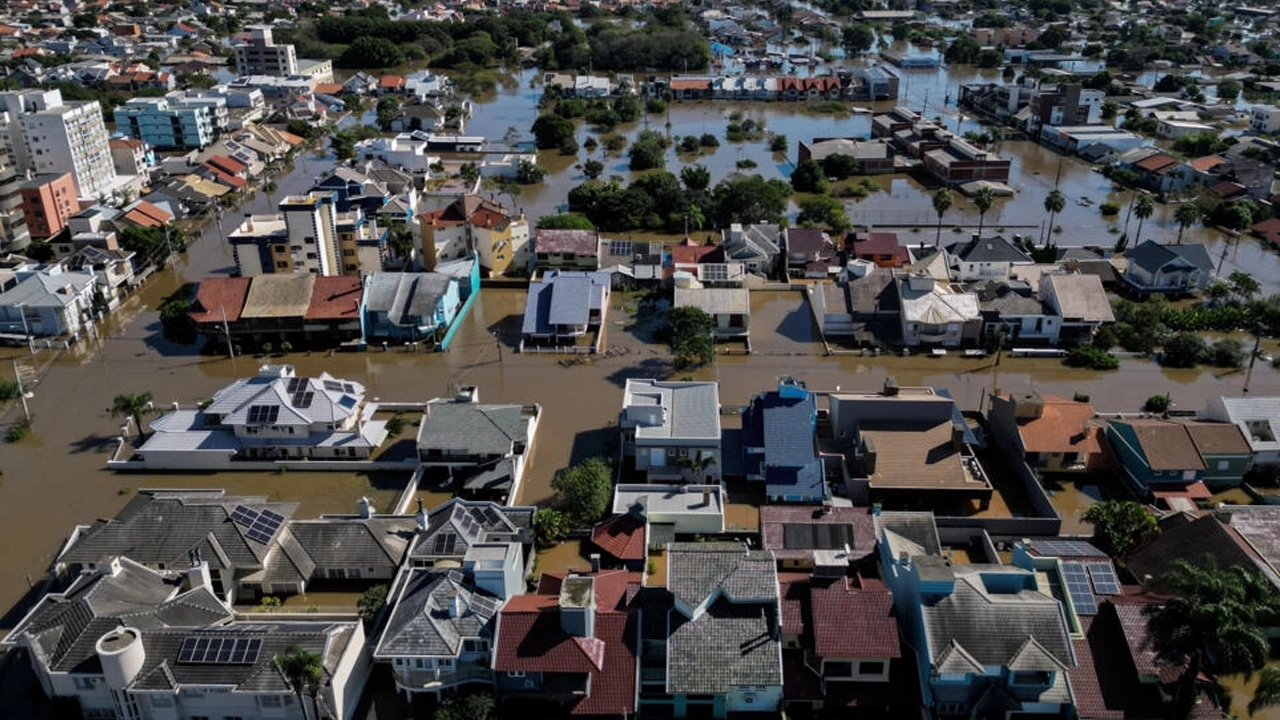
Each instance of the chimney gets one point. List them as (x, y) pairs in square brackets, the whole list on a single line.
[(957, 435), (364, 510), (421, 517), (595, 563), (578, 606), (197, 574)]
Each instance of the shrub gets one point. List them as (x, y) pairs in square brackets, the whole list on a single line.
[(1109, 208), (1156, 404), (1088, 356), (1080, 397), (395, 425)]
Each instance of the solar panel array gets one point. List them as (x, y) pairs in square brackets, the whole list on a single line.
[(619, 247), (482, 605), (303, 398), (296, 384), (444, 544), (715, 272), (263, 414), (199, 650), (1104, 578), (491, 517), (470, 528), (333, 386), (1066, 548), (1078, 588), (259, 526)]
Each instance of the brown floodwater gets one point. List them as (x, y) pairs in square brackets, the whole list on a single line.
[(56, 477)]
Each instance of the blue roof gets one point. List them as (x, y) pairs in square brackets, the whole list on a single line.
[(784, 427), (571, 301), (565, 298), (537, 309)]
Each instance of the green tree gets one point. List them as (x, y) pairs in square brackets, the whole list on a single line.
[(371, 52), (809, 177), (305, 672), (528, 173), (1243, 285), (941, 204), (1187, 214), (839, 165), (551, 131), (1144, 206), (695, 177), (857, 38), (550, 527), (1054, 202), (646, 153), (133, 405), (1156, 404), (748, 199), (696, 465), (1119, 526), (983, 199), (371, 602), (688, 332), (697, 219), (824, 210), (1183, 350), (400, 241), (1213, 624), (592, 169), (1228, 90), (778, 143), (583, 491), (469, 707)]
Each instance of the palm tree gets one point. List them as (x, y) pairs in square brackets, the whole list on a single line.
[(1144, 207), (697, 463), (1054, 202), (941, 204), (695, 218), (1212, 624), (132, 406), (1187, 214), (400, 241), (983, 200), (305, 671)]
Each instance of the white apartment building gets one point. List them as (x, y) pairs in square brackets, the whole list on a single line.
[(1264, 119), (43, 134), (308, 235), (262, 56)]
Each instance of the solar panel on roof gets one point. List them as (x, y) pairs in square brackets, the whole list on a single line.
[(333, 386), (198, 650), (259, 414), (483, 605), (445, 544), (303, 399), (273, 516), (1079, 589), (491, 516), (1104, 578), (620, 247), (1066, 548), (296, 384), (715, 272), (244, 516)]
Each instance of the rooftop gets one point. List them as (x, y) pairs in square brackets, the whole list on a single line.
[(672, 409)]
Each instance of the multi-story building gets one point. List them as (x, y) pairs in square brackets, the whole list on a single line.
[(1264, 119), (309, 234), (262, 56), (469, 225), (14, 234), (672, 428), (44, 134), (48, 199), (166, 125)]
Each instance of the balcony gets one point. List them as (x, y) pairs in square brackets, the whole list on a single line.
[(436, 678)]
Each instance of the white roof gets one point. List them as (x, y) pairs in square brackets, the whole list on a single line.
[(939, 306), (668, 499)]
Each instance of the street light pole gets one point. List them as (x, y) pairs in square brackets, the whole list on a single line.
[(26, 329), (226, 330)]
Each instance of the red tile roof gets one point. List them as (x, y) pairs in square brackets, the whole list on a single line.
[(335, 297), (622, 536), (774, 520), (1155, 163), (216, 294), (585, 243), (1268, 230), (704, 84), (329, 88), (687, 253), (853, 622), (228, 165), (391, 81), (872, 245), (1206, 162), (1229, 190), (1063, 427), (231, 181), (794, 590), (145, 214), (529, 638)]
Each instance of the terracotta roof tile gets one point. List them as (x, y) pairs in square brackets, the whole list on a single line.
[(216, 294), (335, 297), (622, 536), (1063, 427), (853, 622)]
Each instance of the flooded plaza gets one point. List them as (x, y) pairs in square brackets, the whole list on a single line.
[(56, 478)]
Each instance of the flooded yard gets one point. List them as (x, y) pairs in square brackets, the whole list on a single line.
[(782, 323)]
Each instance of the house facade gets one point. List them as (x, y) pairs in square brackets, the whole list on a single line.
[(672, 429)]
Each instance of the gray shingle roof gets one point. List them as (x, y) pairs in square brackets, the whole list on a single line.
[(698, 570), (728, 645), (989, 249), (472, 429), (563, 298), (406, 298), (421, 623), (162, 527), (322, 399), (994, 627), (354, 542), (469, 522), (692, 408), (65, 627)]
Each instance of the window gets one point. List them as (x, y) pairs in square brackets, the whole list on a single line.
[(444, 662), (671, 452), (684, 452), (871, 667), (1224, 464), (837, 669), (475, 645), (515, 673)]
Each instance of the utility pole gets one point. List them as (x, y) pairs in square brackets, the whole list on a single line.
[(226, 330), (22, 392)]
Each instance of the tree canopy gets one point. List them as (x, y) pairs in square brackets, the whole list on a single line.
[(1119, 526), (688, 332), (584, 491)]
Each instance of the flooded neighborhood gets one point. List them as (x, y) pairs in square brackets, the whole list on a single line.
[(632, 360)]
